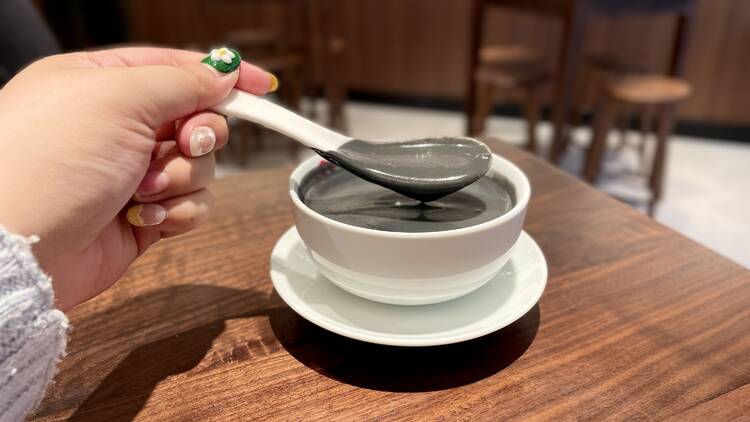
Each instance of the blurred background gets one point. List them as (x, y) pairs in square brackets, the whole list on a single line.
[(645, 99)]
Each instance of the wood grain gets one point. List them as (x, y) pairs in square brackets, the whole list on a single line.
[(637, 322)]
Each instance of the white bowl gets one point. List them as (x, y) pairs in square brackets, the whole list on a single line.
[(411, 268)]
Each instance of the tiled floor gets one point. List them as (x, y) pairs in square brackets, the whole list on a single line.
[(707, 190)]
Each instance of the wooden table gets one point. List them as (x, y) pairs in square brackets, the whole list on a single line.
[(637, 322), (575, 15)]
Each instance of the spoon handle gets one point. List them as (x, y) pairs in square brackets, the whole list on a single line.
[(246, 106)]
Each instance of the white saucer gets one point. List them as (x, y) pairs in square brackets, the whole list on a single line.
[(500, 302)]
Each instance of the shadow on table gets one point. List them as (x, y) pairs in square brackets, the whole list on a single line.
[(402, 369), (125, 390)]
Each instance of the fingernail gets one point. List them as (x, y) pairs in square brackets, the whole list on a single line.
[(225, 60), (144, 215), (274, 84), (155, 181), (202, 141)]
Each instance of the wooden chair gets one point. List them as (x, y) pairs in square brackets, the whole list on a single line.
[(597, 70), (512, 68), (657, 97), (306, 60)]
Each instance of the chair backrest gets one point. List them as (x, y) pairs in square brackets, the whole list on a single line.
[(276, 25)]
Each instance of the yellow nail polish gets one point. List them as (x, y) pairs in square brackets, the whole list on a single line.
[(146, 215), (274, 82), (134, 215)]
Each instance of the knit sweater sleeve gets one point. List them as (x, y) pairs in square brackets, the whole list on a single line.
[(32, 332)]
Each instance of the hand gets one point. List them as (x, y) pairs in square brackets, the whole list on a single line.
[(92, 140)]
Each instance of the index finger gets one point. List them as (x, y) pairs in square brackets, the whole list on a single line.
[(252, 78)]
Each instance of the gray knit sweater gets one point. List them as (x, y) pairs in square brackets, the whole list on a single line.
[(32, 331)]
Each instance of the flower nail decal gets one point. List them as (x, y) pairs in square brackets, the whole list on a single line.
[(224, 54), (223, 59)]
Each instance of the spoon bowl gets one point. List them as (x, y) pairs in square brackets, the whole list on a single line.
[(422, 169)]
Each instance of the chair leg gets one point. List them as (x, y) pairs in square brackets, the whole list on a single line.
[(220, 155), (623, 122), (604, 119), (586, 96), (335, 96), (294, 100), (664, 129), (483, 108), (532, 116), (244, 146), (256, 135), (647, 117), (294, 89), (335, 91)]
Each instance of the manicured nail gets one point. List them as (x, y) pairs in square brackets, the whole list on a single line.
[(146, 215), (274, 84), (202, 141), (155, 181), (223, 59)]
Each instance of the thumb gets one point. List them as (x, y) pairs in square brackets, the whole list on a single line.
[(162, 93)]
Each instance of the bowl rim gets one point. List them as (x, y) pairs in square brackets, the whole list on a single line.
[(522, 201)]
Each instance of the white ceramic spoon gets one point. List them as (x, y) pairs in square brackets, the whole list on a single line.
[(423, 169)]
